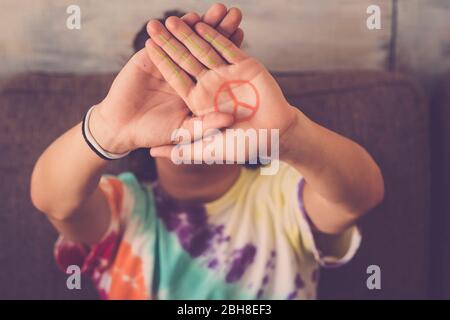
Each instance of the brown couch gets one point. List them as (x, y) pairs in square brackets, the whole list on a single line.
[(386, 113)]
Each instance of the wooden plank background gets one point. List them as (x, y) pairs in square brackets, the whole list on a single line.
[(423, 39), (286, 35)]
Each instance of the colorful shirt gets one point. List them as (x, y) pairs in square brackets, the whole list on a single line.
[(255, 242)]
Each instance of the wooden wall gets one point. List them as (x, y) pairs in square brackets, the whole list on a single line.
[(423, 39), (286, 35)]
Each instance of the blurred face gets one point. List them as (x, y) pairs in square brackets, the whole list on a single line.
[(196, 182), (202, 170)]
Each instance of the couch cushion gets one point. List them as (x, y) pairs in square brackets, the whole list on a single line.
[(386, 113)]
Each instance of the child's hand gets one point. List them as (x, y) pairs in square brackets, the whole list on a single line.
[(141, 109), (228, 80)]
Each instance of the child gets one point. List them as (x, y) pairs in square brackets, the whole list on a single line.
[(202, 231)]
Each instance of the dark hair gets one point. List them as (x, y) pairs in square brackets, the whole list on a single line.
[(141, 163)]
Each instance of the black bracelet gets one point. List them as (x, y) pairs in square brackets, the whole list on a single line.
[(93, 144)]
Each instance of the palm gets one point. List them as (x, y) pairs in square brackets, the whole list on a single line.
[(246, 90), (142, 101), (228, 80)]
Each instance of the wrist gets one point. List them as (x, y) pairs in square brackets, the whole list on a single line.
[(295, 139), (106, 132)]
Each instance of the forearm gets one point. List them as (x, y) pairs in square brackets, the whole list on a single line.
[(337, 169), (65, 175)]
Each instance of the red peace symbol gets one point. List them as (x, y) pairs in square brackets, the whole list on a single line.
[(239, 109)]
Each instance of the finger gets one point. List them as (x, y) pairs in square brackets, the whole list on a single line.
[(197, 126), (188, 153), (225, 22), (215, 147), (174, 49), (161, 151), (191, 18), (173, 74), (237, 37), (222, 45), (199, 48), (215, 14), (230, 23), (142, 60)]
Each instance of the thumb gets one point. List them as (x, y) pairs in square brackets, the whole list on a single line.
[(197, 126), (194, 129), (144, 63)]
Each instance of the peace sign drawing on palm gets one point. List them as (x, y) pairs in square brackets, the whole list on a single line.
[(227, 99)]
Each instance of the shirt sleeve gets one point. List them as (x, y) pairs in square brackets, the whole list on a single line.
[(292, 186), (95, 259)]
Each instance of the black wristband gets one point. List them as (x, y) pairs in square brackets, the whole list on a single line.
[(93, 144)]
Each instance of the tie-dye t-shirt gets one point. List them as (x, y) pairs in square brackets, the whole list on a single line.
[(255, 242)]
